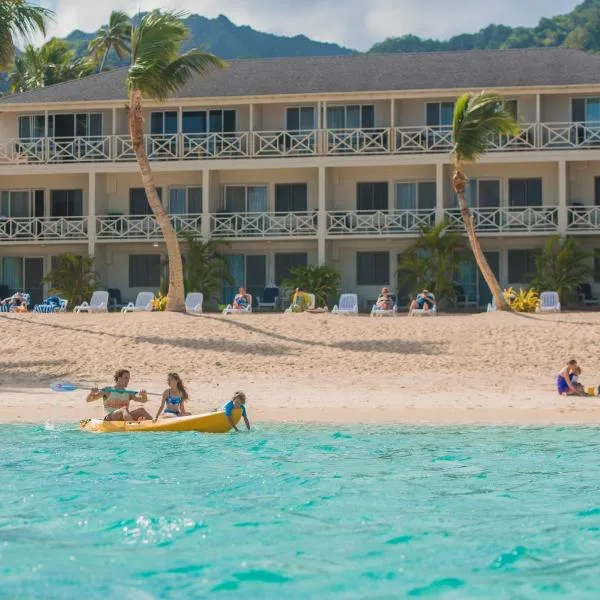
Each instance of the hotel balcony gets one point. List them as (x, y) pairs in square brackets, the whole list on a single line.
[(270, 144), (43, 229), (378, 223), (259, 225), (501, 220)]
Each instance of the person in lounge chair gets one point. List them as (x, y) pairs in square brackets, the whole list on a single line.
[(16, 300), (424, 301), (241, 300), (385, 302)]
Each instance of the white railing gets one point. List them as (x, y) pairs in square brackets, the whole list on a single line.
[(357, 141), (261, 224), (529, 219), (78, 149), (583, 218), (285, 143), (410, 140), (379, 222), (559, 136), (143, 227), (214, 145), (31, 229)]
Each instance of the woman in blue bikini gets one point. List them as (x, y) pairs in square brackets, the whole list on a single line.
[(173, 399)]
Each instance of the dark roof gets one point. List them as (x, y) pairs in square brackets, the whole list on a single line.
[(362, 73)]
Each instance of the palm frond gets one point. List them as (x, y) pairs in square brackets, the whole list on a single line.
[(478, 118)]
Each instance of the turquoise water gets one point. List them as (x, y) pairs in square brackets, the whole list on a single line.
[(301, 512)]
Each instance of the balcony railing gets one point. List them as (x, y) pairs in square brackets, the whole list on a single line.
[(583, 218), (531, 219), (379, 222), (262, 224), (265, 144), (143, 227), (42, 229)]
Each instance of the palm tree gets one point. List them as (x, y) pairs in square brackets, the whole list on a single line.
[(114, 36), (478, 118), (324, 282), (19, 18), (73, 277), (158, 70)]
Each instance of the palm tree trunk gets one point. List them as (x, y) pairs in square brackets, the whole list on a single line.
[(103, 60), (459, 181), (136, 131)]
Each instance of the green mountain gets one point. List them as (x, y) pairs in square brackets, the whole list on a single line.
[(579, 29), (227, 40)]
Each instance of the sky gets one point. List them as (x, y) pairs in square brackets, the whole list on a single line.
[(354, 23)]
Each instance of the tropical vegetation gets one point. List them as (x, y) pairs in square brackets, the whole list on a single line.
[(523, 300), (115, 36), (478, 119), (157, 70), (322, 281), (73, 278), (562, 266), (431, 262)]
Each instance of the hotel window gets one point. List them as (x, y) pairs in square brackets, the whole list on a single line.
[(415, 195), (31, 126), (245, 198), (71, 125), (66, 203), (144, 270), (512, 108), (185, 200), (138, 202), (193, 121), (291, 197), (525, 192), (22, 203), (163, 123), (372, 195), (352, 116), (299, 118), (440, 114), (585, 110), (521, 265), (597, 265), (286, 261), (372, 268)]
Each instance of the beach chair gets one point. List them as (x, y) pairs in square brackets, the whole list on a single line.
[(348, 305), (584, 291), (114, 299), (421, 312), (229, 310), (98, 303), (376, 311), (193, 303), (270, 298), (51, 305), (312, 302), (143, 302), (549, 302), (491, 307)]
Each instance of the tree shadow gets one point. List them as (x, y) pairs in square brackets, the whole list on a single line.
[(220, 345), (388, 347), (536, 317), (12, 369)]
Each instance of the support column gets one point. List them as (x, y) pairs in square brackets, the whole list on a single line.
[(46, 149), (439, 192), (392, 136), (91, 218), (113, 140), (179, 145), (538, 121), (205, 227), (251, 130), (322, 217), (563, 218)]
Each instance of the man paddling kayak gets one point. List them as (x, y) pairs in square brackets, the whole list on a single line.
[(116, 403)]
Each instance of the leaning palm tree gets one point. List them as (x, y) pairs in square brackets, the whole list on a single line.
[(114, 36), (158, 70), (478, 118), (19, 19)]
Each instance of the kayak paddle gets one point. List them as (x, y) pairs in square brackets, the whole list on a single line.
[(67, 386)]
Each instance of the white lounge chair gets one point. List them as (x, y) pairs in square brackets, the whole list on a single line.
[(98, 303), (311, 304), (229, 310), (421, 312), (143, 302), (348, 305), (491, 307), (270, 297), (376, 311), (193, 303), (52, 308), (549, 302)]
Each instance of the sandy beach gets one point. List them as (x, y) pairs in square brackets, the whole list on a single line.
[(483, 368)]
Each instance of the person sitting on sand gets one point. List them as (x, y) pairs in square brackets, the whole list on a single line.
[(173, 398), (116, 402), (564, 380), (238, 401), (424, 301), (241, 300), (385, 302), (575, 380), (301, 301)]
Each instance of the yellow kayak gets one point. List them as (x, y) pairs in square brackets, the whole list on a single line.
[(215, 422)]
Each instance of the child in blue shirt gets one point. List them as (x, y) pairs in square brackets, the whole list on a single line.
[(238, 401)]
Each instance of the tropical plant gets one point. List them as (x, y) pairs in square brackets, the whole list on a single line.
[(159, 303), (158, 70), (205, 268), (324, 282), (525, 301), (19, 19), (431, 263), (73, 278), (116, 36), (478, 119), (561, 266)]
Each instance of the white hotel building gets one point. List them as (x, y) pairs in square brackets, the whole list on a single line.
[(333, 161)]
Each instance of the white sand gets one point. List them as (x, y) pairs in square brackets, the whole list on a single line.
[(486, 368)]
